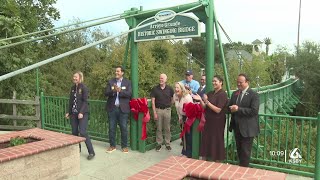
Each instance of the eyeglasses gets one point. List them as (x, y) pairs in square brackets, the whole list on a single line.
[(238, 82), (202, 79)]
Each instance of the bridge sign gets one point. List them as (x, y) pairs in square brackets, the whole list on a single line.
[(170, 26)]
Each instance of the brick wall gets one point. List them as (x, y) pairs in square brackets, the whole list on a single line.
[(55, 156), (175, 168), (58, 163)]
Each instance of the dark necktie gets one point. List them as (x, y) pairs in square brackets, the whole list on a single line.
[(74, 107), (239, 98)]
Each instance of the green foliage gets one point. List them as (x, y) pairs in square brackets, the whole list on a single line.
[(306, 66), (17, 141), (19, 17), (26, 16), (16, 18), (237, 45), (159, 51), (197, 46), (276, 65), (257, 70)]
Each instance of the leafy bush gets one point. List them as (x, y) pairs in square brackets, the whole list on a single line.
[(17, 141)]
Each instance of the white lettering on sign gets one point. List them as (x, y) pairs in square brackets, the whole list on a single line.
[(165, 25), (166, 31), (164, 37), (186, 29), (146, 33)]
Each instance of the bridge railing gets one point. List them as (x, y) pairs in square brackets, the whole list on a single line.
[(289, 145), (278, 98), (53, 110)]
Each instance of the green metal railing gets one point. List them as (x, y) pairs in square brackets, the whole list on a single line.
[(277, 143), (53, 110), (278, 98)]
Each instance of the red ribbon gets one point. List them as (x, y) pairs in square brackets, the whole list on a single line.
[(140, 105), (193, 112)]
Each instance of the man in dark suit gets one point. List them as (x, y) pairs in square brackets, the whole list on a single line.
[(118, 92), (202, 89), (244, 108)]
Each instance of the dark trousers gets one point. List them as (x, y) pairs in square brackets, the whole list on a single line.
[(244, 146), (116, 116), (80, 126), (188, 136)]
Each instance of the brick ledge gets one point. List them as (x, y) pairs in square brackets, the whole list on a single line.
[(49, 140), (176, 167)]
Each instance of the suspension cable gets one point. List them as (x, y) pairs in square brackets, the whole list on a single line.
[(230, 41), (60, 56), (227, 36), (68, 25), (61, 32), (186, 52)]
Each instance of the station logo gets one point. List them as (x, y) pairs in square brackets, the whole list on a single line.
[(295, 156), (165, 15)]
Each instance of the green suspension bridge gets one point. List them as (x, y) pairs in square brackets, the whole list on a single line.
[(280, 132)]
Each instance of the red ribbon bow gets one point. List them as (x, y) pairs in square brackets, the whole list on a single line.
[(193, 112), (140, 105)]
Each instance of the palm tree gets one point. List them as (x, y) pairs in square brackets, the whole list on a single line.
[(267, 42)]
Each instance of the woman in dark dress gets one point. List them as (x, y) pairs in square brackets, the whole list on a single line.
[(212, 140)]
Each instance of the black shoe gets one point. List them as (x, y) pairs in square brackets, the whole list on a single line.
[(168, 148), (90, 156), (158, 148)]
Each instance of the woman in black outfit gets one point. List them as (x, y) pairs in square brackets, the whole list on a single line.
[(78, 111)]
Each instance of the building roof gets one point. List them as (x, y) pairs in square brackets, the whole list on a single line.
[(232, 55), (257, 42)]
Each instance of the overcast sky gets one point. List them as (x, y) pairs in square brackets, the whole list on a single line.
[(244, 20)]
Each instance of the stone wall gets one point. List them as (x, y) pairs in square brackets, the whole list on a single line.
[(59, 163)]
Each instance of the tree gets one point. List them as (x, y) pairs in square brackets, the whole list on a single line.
[(196, 46), (19, 17), (159, 51), (267, 42), (24, 16), (306, 66), (237, 46), (277, 64)]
